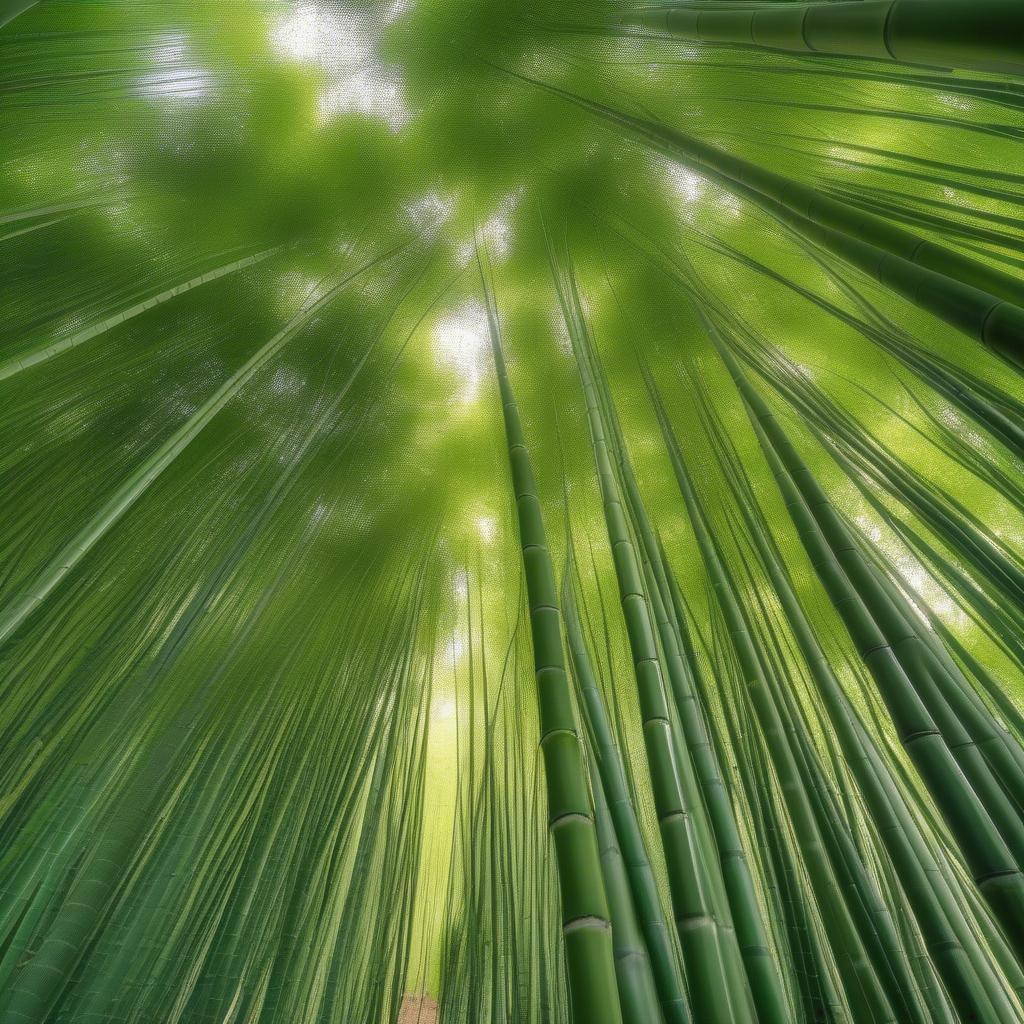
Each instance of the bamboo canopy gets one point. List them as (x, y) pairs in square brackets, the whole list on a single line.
[(512, 513)]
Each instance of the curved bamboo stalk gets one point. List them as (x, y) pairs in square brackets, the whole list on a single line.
[(870, 912), (637, 989), (22, 606), (637, 993), (961, 963), (982, 34), (755, 948), (10, 9), (14, 366), (984, 752), (966, 391)]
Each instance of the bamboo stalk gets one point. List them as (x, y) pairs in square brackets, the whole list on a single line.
[(586, 927), (691, 890), (10, 9), (755, 948), (947, 937), (993, 867), (637, 992), (643, 884), (866, 993), (985, 303), (981, 34)]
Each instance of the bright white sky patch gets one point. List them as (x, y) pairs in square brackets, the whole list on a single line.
[(293, 289), (175, 78), (687, 184), (342, 42), (487, 528), (460, 344), (314, 34), (444, 709), (430, 210), (455, 649), (496, 231)]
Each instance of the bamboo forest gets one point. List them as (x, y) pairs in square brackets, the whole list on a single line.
[(512, 512)]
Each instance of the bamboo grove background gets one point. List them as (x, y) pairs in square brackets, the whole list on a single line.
[(511, 513)]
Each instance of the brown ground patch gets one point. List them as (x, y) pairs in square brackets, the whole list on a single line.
[(418, 1010)]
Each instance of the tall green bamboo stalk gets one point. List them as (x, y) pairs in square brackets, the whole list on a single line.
[(988, 755), (741, 896), (984, 404), (586, 926), (993, 867), (866, 994), (687, 863), (637, 987), (10, 9), (983, 302), (968, 976), (637, 994), (643, 884)]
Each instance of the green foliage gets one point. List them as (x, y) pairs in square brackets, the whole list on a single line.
[(286, 712)]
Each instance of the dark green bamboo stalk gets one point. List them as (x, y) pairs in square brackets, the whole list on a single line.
[(989, 406), (691, 890), (10, 9), (955, 524), (868, 910), (968, 977), (586, 927), (643, 885), (862, 984), (984, 752), (755, 948), (992, 866), (944, 645), (810, 965), (24, 604), (40, 983), (637, 992), (967, 720), (983, 34), (955, 702), (962, 388), (966, 724)]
